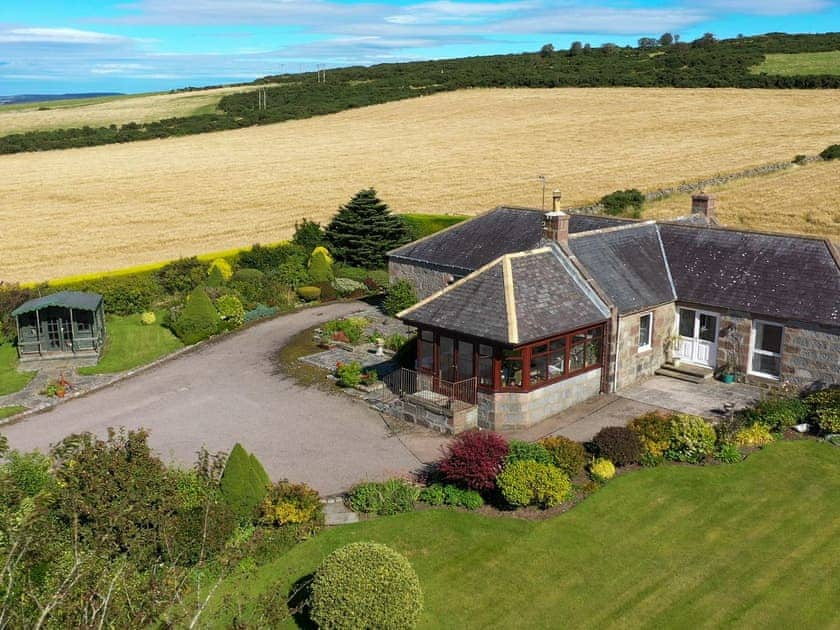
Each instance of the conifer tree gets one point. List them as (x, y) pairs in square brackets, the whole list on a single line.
[(364, 230)]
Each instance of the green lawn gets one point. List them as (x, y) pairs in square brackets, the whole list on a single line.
[(426, 224), (797, 64), (11, 380), (753, 545), (130, 344), (6, 412)]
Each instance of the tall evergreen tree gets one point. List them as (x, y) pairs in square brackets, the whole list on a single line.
[(364, 230)]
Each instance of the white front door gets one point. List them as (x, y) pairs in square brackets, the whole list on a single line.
[(698, 332)]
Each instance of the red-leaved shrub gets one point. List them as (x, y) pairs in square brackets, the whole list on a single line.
[(474, 459)]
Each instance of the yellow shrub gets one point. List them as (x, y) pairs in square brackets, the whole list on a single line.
[(223, 266), (148, 318), (756, 435), (602, 469)]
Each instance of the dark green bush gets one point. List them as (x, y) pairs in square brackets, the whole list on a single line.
[(244, 483), (831, 152), (532, 483), (199, 318), (247, 274), (309, 294), (780, 414), (308, 235), (292, 273), (619, 202), (366, 585), (519, 451), (383, 497), (568, 455), (182, 275), (458, 497), (399, 296), (122, 295), (799, 158), (12, 295), (266, 258), (620, 445)]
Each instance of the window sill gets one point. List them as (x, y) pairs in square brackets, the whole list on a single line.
[(644, 349), (766, 377)]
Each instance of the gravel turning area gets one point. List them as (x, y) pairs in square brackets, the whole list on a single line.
[(229, 391)]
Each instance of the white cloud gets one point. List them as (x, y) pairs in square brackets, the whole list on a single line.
[(58, 36)]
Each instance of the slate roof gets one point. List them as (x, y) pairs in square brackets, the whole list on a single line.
[(778, 276), (63, 299), (476, 242), (628, 263), (515, 299)]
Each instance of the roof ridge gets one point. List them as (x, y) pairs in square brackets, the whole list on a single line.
[(614, 228), (725, 228), (510, 300)]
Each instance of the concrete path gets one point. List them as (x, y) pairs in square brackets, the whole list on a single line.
[(700, 399), (230, 391)]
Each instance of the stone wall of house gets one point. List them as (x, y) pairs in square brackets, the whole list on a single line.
[(634, 364), (509, 410), (810, 353), (451, 421), (427, 279)]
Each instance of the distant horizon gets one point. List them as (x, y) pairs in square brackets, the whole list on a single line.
[(55, 47)]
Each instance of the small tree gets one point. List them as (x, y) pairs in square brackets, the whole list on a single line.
[(547, 50), (364, 230), (575, 49), (244, 483), (308, 235), (647, 43), (666, 39)]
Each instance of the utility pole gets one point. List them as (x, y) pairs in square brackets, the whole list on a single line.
[(541, 178)]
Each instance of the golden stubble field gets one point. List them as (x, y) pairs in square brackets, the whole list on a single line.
[(802, 199), (85, 210), (100, 112)]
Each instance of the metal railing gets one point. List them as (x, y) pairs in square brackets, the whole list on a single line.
[(404, 383)]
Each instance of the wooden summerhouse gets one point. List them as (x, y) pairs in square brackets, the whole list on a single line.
[(69, 324)]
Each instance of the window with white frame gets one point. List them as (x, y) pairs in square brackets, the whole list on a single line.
[(766, 349), (645, 331)]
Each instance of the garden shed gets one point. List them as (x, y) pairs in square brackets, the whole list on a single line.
[(68, 324)]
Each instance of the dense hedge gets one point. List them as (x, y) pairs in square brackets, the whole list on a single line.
[(724, 63)]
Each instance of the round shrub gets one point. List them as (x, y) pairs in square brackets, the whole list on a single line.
[(199, 318), (755, 435), (309, 294), (519, 451), (320, 265), (602, 470), (618, 444), (825, 405), (365, 585), (474, 459), (248, 275), (654, 431), (692, 438), (528, 482), (399, 296), (568, 455), (780, 414), (224, 268), (148, 318), (231, 310)]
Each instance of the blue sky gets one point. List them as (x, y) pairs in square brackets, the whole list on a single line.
[(57, 46)]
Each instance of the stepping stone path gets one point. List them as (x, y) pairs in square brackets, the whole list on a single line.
[(336, 513)]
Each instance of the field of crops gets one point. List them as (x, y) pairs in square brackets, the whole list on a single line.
[(107, 110), (85, 210), (802, 199), (797, 64)]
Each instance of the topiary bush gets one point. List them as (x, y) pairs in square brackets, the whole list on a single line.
[(527, 482), (825, 409), (224, 268), (618, 444), (473, 460), (365, 585), (654, 432), (568, 455), (287, 503), (215, 278), (755, 435), (309, 294), (244, 483), (602, 469), (148, 318), (384, 498), (692, 438), (780, 414), (198, 319), (320, 265), (519, 451), (399, 297)]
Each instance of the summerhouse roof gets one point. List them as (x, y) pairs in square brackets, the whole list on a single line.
[(63, 299)]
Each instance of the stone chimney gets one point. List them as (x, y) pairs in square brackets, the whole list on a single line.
[(555, 200), (556, 227), (702, 203)]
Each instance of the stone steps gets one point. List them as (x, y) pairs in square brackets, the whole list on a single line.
[(685, 372), (336, 513)]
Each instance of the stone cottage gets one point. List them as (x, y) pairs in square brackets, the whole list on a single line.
[(545, 310)]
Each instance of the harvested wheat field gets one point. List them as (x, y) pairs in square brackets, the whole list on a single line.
[(85, 210), (804, 199), (101, 112)]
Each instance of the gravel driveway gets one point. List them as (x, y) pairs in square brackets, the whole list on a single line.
[(228, 392)]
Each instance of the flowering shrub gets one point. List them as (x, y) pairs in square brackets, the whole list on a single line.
[(474, 459), (602, 469), (568, 455), (291, 503), (352, 328), (692, 438), (148, 318), (756, 435), (527, 482), (618, 444)]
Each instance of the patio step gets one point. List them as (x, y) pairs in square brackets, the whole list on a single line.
[(684, 372), (336, 513)]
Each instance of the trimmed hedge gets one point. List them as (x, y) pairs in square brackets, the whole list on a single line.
[(365, 585), (309, 294), (438, 494)]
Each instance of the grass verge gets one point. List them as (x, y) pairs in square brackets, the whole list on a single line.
[(7, 412), (130, 344), (11, 380), (753, 544)]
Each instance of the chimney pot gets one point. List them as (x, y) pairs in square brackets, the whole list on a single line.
[(702, 203), (555, 199), (556, 227)]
